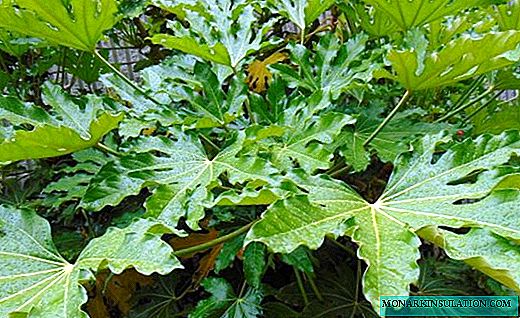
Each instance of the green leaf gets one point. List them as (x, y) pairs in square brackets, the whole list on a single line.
[(224, 303), (484, 250), (14, 44), (51, 141), (185, 175), (508, 15), (374, 22), (497, 119), (334, 69), (224, 32), (456, 61), (305, 141), (74, 181), (424, 191), (217, 53), (228, 253), (71, 125), (35, 278), (301, 12), (300, 258), (215, 107), (408, 14), (394, 139), (79, 25), (138, 245), (254, 263)]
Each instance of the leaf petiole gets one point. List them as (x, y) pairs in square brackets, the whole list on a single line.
[(217, 241), (125, 78), (300, 285), (107, 149), (388, 118), (469, 104)]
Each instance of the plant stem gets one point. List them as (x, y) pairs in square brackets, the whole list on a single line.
[(249, 111), (339, 172), (217, 241), (483, 106), (211, 143), (388, 118), (300, 285), (463, 107), (343, 247), (302, 36), (314, 288), (124, 78), (468, 93), (107, 149)]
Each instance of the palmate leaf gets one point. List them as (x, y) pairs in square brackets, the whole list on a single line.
[(223, 303), (408, 14), (424, 191), (301, 12), (37, 281), (74, 181), (220, 31), (305, 142), (393, 140), (185, 174), (70, 126), (460, 59), (79, 26), (332, 70)]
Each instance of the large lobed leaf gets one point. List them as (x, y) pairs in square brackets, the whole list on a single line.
[(408, 14), (220, 31), (79, 25), (69, 127), (184, 176), (424, 192), (37, 281), (460, 59), (335, 68)]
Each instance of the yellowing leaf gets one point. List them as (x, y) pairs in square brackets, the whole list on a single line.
[(259, 75)]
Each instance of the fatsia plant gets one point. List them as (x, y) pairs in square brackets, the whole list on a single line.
[(35, 279), (426, 193), (244, 185)]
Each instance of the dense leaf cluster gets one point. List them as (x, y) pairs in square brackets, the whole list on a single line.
[(258, 132)]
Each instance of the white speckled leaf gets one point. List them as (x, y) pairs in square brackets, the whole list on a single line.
[(35, 278), (184, 176), (426, 190)]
